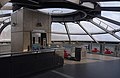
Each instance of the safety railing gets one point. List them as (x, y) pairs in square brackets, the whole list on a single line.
[(107, 26)]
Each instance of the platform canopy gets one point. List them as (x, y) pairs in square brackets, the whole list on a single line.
[(72, 20)]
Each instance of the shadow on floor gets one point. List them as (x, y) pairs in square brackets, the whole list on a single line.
[(104, 69)]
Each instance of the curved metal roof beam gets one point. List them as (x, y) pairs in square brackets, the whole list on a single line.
[(4, 26)]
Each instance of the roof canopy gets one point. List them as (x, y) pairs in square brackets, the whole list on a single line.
[(74, 20)]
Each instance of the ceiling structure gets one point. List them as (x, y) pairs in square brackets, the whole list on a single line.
[(72, 13)]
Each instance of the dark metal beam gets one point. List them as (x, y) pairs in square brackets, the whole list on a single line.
[(67, 30), (110, 8), (74, 16), (0, 5), (63, 5), (50, 4), (87, 32), (16, 7), (109, 20)]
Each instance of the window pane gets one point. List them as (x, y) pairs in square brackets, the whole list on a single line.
[(105, 24), (80, 38), (75, 28), (88, 4), (57, 27), (90, 27), (118, 33), (110, 4), (105, 37), (111, 15), (59, 37)]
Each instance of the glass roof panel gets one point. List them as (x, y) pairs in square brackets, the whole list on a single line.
[(118, 33), (74, 1), (90, 27), (105, 37), (80, 38), (75, 28), (88, 4), (110, 4), (59, 37), (111, 15), (106, 24), (57, 27)]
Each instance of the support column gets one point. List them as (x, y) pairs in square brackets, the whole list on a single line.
[(24, 22), (90, 47), (102, 48), (116, 50)]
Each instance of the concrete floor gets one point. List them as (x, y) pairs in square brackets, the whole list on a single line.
[(93, 66)]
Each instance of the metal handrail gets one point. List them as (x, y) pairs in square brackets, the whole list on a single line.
[(105, 24)]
